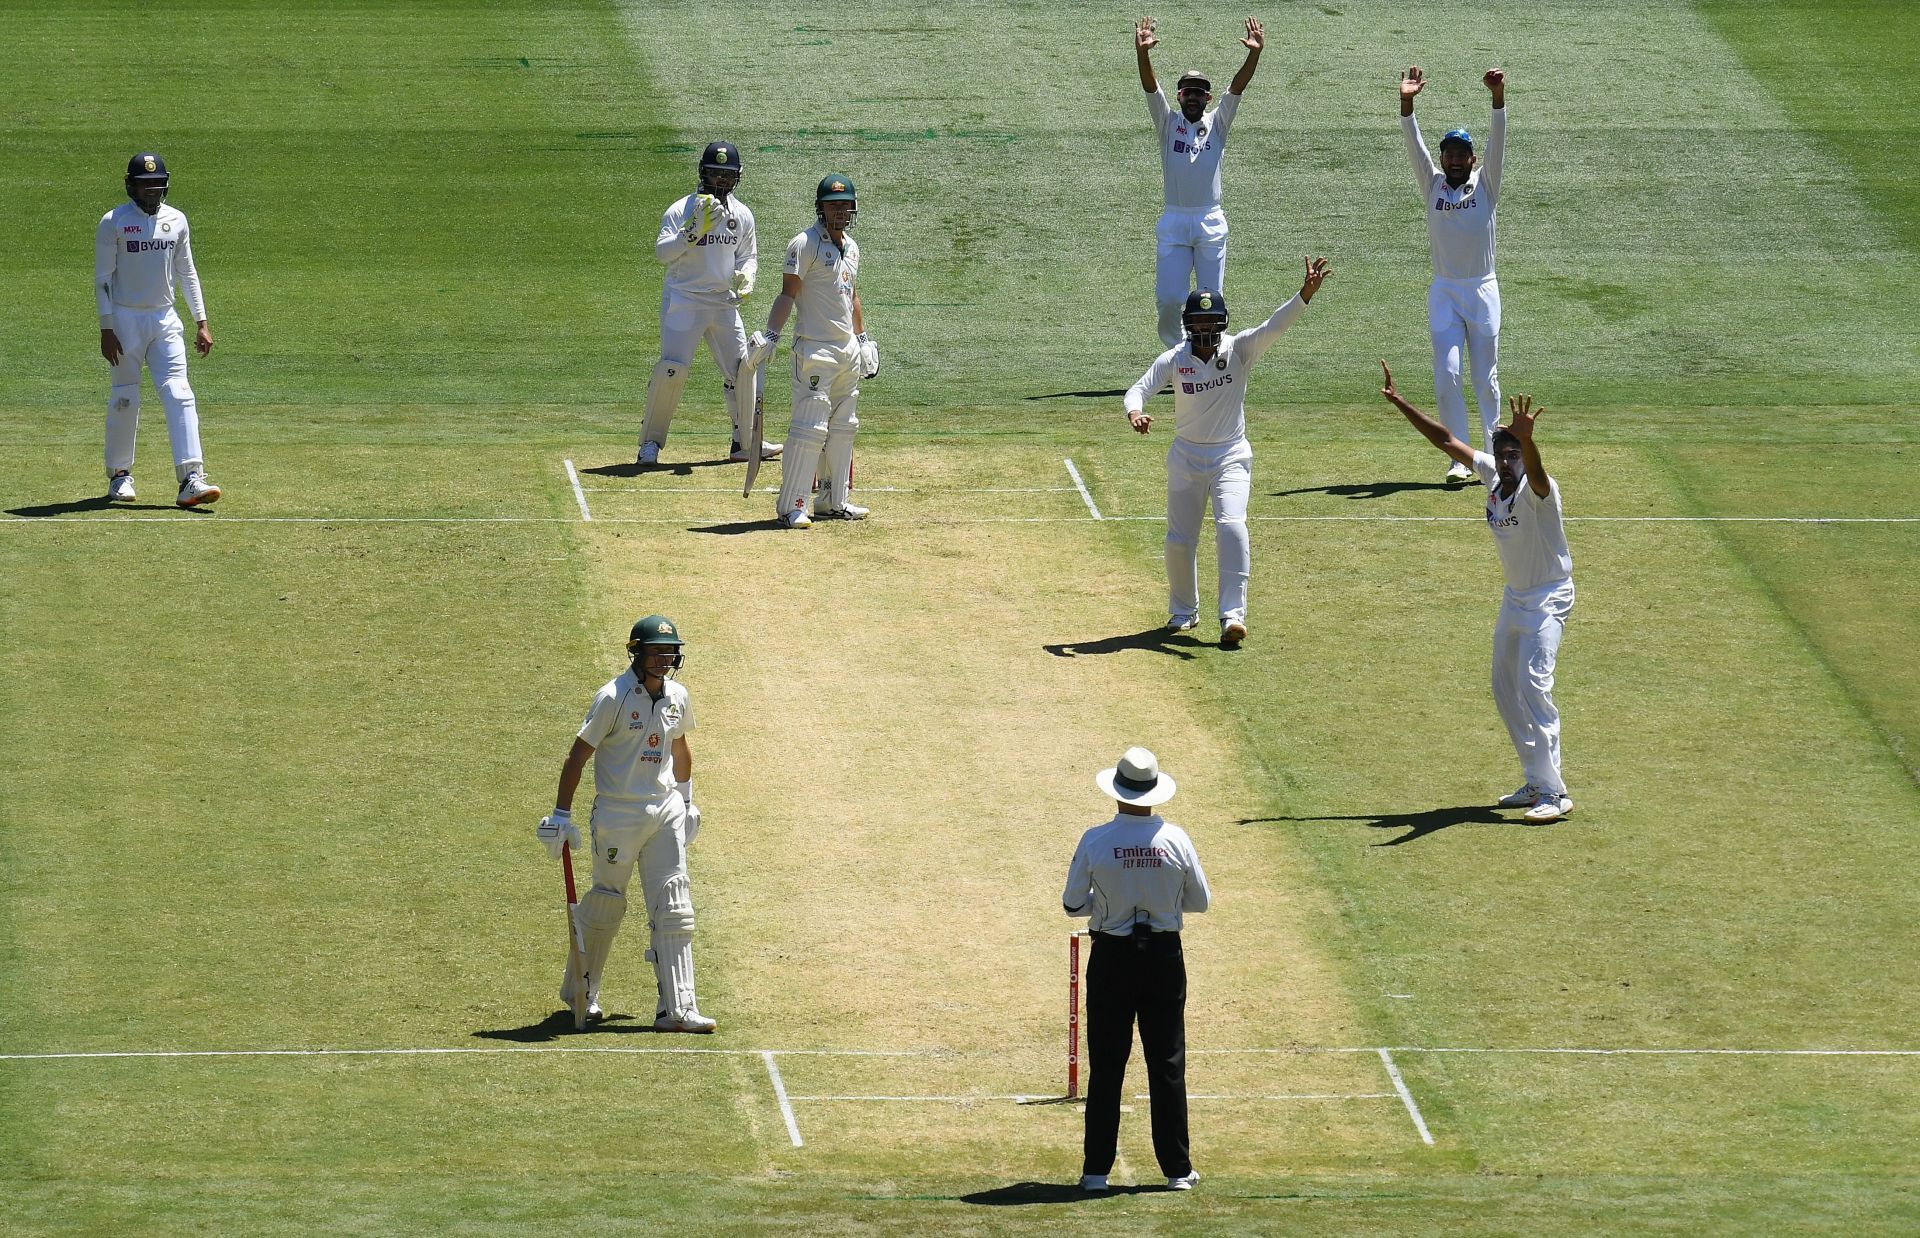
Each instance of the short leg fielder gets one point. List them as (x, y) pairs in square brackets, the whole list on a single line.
[(157, 340), (1464, 315)]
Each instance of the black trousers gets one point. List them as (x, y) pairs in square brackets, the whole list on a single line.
[(1145, 979)]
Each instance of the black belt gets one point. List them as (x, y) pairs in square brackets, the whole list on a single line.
[(1141, 938)]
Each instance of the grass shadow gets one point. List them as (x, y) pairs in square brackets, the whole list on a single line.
[(1154, 640), (771, 524), (558, 1025), (99, 503), (1115, 394), (1374, 489), (1020, 1193), (634, 469), (1417, 825)]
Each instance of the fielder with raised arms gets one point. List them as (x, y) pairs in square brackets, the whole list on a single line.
[(142, 254), (1210, 457), (831, 354), (707, 242), (1191, 237), (643, 814), (1463, 302), (1524, 516)]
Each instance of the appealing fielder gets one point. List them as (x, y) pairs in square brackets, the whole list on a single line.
[(1191, 248), (831, 354), (1210, 457), (707, 242), (1523, 513), (643, 814), (141, 256), (1463, 302)]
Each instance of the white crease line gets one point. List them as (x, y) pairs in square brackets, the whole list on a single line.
[(1081, 486), (1406, 1097), (734, 517), (1025, 1097), (780, 1091), (578, 494), (1021, 1097), (669, 492), (462, 1050), (1679, 1052)]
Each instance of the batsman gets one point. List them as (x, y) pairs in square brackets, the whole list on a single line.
[(643, 816)]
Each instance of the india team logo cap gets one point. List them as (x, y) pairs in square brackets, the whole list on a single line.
[(1456, 135), (1194, 79), (1136, 779)]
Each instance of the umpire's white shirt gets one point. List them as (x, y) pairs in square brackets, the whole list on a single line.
[(823, 315), (1134, 865), (1460, 221), (703, 271), (1190, 151), (1529, 533), (632, 736), (138, 259), (1210, 397)]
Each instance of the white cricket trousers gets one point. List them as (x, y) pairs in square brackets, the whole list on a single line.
[(1464, 315), (652, 837), (1190, 253), (1526, 640), (1197, 472), (826, 413), (683, 324), (153, 338)]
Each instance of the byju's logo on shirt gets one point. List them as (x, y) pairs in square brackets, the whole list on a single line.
[(141, 247), (1210, 384)]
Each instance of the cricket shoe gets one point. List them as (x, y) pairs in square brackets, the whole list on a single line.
[(1177, 624), (1548, 807), (684, 1021), (795, 519), (1185, 1182), (768, 451), (1093, 1182), (120, 489), (1232, 632), (1459, 472), (1523, 798), (649, 454), (849, 512), (195, 491)]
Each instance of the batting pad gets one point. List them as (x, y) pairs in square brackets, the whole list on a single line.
[(600, 913), (673, 947)]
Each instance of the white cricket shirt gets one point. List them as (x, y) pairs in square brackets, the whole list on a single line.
[(1134, 866), (1460, 221), (703, 271), (1190, 151), (824, 312), (1210, 397), (1528, 531), (632, 736), (138, 259)]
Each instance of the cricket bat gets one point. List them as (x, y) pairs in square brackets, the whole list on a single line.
[(576, 952), (745, 381)]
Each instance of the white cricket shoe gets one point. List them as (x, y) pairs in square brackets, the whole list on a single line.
[(120, 489), (1523, 798), (1182, 623), (594, 1013), (1548, 807), (851, 511), (768, 451), (1093, 1182), (1185, 1182), (649, 454), (1232, 632), (684, 1021), (1459, 472), (795, 519), (196, 490)]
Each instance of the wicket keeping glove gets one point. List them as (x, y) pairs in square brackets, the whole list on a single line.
[(700, 220), (869, 356), (761, 346), (558, 830), (742, 285)]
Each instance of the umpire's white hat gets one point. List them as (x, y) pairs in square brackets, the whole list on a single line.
[(1136, 779)]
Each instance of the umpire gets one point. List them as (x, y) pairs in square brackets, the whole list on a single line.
[(1133, 878)]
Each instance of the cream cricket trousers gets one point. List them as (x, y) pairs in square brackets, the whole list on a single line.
[(1190, 252), (1464, 315), (1197, 473), (1526, 640), (153, 338)]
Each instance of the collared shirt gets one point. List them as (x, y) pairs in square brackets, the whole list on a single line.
[(1135, 868), (1191, 151), (703, 271), (1460, 221), (138, 259), (632, 736), (1528, 531), (1210, 397), (823, 313)]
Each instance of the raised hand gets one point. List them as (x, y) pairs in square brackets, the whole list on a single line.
[(1317, 271), (1494, 79), (1256, 35), (1522, 411), (1411, 83), (1390, 391), (1145, 34)]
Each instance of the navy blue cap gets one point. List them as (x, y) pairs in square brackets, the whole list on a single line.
[(1457, 135)]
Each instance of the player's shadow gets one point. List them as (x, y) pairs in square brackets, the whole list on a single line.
[(1049, 1193), (1154, 640), (734, 528), (559, 1025), (1115, 394), (682, 468), (99, 503), (1370, 489), (1417, 825)]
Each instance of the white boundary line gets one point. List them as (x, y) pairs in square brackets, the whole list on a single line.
[(1406, 1098), (1081, 486), (780, 1092), (578, 494)]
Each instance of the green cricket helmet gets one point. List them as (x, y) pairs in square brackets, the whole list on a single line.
[(836, 187), (656, 631)]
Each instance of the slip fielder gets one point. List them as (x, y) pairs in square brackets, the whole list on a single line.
[(643, 816), (707, 242), (142, 254), (1191, 237), (1210, 457), (1463, 302)]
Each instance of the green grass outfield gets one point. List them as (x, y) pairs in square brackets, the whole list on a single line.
[(268, 772)]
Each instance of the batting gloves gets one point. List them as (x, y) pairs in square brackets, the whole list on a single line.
[(693, 813), (869, 356), (761, 346), (558, 830)]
